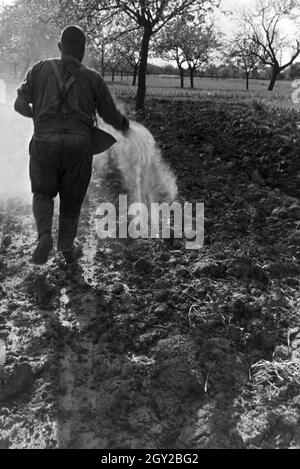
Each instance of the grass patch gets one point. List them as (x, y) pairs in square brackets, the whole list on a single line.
[(230, 90)]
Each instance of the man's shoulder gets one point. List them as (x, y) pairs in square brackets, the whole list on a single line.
[(41, 63), (91, 73), (38, 66), (88, 71)]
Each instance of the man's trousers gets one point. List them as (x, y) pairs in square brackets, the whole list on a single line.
[(60, 164)]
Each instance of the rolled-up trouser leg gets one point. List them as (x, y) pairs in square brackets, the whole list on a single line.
[(77, 158)]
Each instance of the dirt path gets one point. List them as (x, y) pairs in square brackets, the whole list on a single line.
[(147, 345)]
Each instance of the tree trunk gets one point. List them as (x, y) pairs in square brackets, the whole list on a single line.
[(113, 75), (102, 62), (141, 92), (135, 74), (247, 80), (121, 75), (275, 75), (181, 77), (192, 77)]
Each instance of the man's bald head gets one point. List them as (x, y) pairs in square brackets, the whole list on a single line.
[(72, 42)]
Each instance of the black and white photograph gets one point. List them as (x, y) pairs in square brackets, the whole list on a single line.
[(149, 227)]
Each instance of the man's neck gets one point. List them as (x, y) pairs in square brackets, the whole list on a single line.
[(71, 59)]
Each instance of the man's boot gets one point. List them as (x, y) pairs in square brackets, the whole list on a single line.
[(43, 209), (71, 257)]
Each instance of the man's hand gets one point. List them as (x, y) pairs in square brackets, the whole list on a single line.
[(23, 108), (126, 133)]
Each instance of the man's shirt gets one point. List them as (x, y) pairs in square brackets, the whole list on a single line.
[(88, 93)]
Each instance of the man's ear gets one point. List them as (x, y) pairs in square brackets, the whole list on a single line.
[(59, 46)]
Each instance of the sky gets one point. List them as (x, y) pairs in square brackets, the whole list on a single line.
[(235, 6)]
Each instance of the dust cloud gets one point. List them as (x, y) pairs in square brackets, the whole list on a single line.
[(15, 135), (146, 176)]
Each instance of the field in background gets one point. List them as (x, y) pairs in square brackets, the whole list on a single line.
[(233, 89), (169, 87)]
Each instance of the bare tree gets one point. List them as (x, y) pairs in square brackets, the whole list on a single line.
[(188, 40), (151, 16), (130, 47), (265, 25), (200, 41), (99, 52), (243, 53), (169, 45), (116, 48)]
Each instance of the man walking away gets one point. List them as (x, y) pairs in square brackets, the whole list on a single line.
[(62, 96)]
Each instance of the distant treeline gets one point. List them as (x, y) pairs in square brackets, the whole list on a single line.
[(11, 69), (213, 71)]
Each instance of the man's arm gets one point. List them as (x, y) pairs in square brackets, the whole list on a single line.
[(107, 109), (22, 107), (25, 95)]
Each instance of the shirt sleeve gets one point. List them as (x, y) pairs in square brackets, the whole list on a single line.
[(26, 89), (107, 109)]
